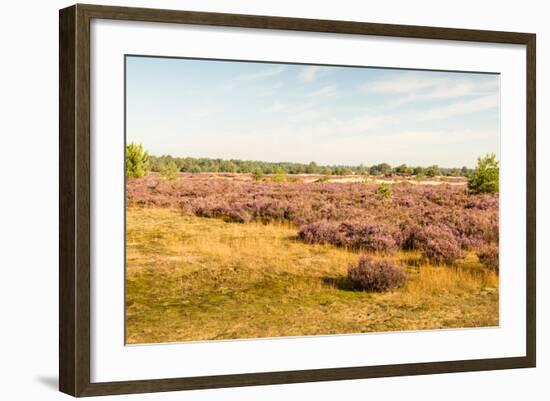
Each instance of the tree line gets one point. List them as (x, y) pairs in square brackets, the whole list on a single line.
[(483, 179), (138, 161)]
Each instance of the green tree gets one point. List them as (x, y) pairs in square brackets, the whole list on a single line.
[(280, 175), (169, 171), (311, 168), (257, 174), (195, 169), (455, 172), (432, 171), (227, 166), (137, 160), (403, 169), (485, 178), (341, 170), (419, 171), (382, 168), (465, 171)]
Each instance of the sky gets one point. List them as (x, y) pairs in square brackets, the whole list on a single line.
[(301, 113)]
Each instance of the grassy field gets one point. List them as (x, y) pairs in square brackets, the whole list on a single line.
[(193, 278)]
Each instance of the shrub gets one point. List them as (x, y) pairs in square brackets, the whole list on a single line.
[(363, 235), (280, 175), (474, 229), (483, 202), (422, 217), (442, 250), (419, 172), (376, 275), (383, 190), (432, 171), (266, 209), (169, 171), (320, 232), (489, 256), (437, 243), (137, 161), (257, 175), (485, 177), (238, 216)]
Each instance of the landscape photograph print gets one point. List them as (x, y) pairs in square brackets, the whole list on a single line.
[(269, 199)]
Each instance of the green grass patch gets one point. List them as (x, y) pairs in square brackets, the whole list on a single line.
[(191, 278)]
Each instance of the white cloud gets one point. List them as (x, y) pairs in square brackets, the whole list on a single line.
[(411, 87), (323, 91), (352, 127), (270, 91), (460, 108), (432, 138), (309, 74), (262, 74), (404, 83), (256, 76), (463, 88), (398, 117)]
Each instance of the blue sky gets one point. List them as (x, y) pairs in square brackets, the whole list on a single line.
[(302, 113)]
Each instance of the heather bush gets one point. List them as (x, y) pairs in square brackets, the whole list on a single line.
[(266, 209), (321, 232), (482, 202), (473, 229), (438, 220), (353, 234), (376, 275), (437, 243), (442, 250), (365, 235), (489, 256)]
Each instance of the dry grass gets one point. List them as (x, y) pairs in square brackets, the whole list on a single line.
[(191, 278)]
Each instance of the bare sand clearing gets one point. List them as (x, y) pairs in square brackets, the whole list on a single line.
[(344, 179)]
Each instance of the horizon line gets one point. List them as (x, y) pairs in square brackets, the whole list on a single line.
[(312, 161)]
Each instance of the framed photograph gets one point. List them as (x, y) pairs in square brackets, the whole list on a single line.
[(250, 200)]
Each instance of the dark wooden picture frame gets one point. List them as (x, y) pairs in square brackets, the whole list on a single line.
[(74, 199)]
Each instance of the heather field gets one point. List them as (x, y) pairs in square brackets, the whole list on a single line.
[(225, 256)]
